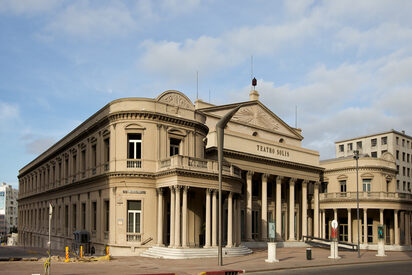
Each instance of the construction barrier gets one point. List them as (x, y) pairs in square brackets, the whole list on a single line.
[(222, 272), (81, 251), (67, 255)]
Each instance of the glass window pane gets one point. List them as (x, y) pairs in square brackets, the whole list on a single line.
[(137, 228), (130, 222), (131, 150), (138, 150), (134, 205)]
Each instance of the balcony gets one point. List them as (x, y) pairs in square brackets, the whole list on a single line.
[(134, 237), (134, 163), (197, 164), (392, 196)]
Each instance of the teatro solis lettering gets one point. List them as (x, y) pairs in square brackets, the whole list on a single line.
[(273, 151)]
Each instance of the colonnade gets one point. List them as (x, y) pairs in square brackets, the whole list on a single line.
[(394, 236)]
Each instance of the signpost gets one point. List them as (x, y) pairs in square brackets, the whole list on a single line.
[(271, 244), (334, 244), (381, 241)]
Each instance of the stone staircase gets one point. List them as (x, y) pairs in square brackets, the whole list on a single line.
[(192, 253)]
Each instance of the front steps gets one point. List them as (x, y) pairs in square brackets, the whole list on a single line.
[(192, 253)]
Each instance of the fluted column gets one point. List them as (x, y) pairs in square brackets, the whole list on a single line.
[(177, 217), (323, 231), (214, 218), (264, 207), (304, 208), (396, 227), (184, 217), (349, 225), (249, 206), (230, 220), (279, 207), (292, 209), (316, 210), (365, 226), (160, 217), (172, 216), (207, 237)]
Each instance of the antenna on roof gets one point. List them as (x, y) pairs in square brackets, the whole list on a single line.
[(197, 84)]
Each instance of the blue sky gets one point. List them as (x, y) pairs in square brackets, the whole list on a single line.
[(345, 64)]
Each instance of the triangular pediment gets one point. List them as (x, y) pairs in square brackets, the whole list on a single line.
[(255, 114)]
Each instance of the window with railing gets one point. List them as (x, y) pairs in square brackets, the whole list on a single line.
[(94, 158), (174, 146), (366, 185), (106, 154), (134, 216), (134, 150), (342, 184)]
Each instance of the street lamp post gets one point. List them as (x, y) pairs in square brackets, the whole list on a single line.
[(356, 157), (220, 129)]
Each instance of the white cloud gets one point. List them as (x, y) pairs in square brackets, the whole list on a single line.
[(27, 6), (82, 20), (39, 145)]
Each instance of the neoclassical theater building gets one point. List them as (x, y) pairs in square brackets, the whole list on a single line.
[(143, 173)]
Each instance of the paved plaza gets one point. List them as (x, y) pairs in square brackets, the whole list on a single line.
[(289, 258)]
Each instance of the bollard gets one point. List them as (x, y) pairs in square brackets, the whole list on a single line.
[(67, 255), (271, 253), (308, 254), (107, 250), (81, 251)]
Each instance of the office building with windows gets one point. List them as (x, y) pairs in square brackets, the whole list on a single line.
[(141, 174), (8, 209), (397, 143)]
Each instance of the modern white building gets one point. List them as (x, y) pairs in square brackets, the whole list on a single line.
[(8, 208), (397, 143)]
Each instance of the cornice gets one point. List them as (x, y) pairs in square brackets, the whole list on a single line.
[(363, 168), (147, 115)]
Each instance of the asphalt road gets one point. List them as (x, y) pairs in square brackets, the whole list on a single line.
[(401, 268), (20, 252)]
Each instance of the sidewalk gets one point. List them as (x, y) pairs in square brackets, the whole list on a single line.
[(289, 258)]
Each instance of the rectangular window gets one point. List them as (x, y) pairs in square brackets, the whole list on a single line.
[(66, 167), (397, 140), (94, 215), (83, 158), (83, 216), (74, 216), (404, 185), (366, 185), (174, 146), (134, 216), (403, 142), (397, 185), (94, 155), (59, 176), (359, 145), (397, 154), (74, 165), (374, 154), (409, 186), (342, 184), (384, 151), (409, 172), (403, 171), (407, 157), (374, 142), (107, 215), (106, 150), (350, 146), (66, 219), (341, 148), (403, 156), (134, 146), (384, 140)]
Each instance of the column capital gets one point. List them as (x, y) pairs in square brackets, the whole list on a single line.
[(159, 191), (265, 176), (396, 211), (292, 180), (185, 188), (305, 182), (178, 187), (279, 178), (172, 188), (249, 174), (349, 209), (230, 194)]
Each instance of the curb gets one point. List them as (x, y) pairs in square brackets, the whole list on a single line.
[(321, 265)]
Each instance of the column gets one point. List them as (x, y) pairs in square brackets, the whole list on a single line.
[(324, 224), (292, 209), (160, 217), (214, 218), (239, 222), (230, 220), (304, 208), (264, 207), (335, 214), (184, 217), (207, 237), (407, 228), (177, 217), (349, 225), (172, 216), (249, 206), (279, 207), (365, 226), (316, 210), (381, 216), (396, 227)]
